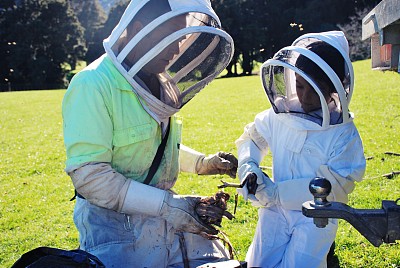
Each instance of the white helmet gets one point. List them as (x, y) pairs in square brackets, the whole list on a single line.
[(177, 45), (313, 79)]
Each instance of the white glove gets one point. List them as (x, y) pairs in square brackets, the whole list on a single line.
[(244, 170), (266, 194), (219, 163)]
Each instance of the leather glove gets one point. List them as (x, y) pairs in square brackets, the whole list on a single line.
[(180, 212), (244, 171), (219, 163), (266, 194), (194, 214)]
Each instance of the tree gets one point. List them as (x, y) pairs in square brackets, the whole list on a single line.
[(229, 14), (38, 37), (6, 4), (104, 29), (260, 28), (91, 16), (114, 16), (358, 49)]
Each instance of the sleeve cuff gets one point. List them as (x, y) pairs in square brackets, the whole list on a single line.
[(188, 159), (142, 198)]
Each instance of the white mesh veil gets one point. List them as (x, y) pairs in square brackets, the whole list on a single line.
[(169, 50), (312, 79)]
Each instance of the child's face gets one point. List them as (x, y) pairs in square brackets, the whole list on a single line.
[(308, 97)]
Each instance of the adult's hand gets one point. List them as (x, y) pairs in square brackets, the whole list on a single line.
[(180, 212), (219, 163)]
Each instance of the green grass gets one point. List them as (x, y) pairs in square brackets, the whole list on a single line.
[(35, 191), (34, 195)]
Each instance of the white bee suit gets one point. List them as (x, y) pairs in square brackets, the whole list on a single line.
[(302, 148)]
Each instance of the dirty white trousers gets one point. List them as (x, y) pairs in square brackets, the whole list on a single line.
[(121, 240), (288, 239)]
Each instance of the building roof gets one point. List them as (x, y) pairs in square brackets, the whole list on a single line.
[(386, 13)]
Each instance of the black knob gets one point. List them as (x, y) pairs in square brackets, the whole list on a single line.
[(320, 188)]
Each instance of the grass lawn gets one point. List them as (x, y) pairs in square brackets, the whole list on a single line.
[(34, 195)]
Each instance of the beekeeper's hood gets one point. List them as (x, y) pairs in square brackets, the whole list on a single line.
[(177, 45), (313, 80)]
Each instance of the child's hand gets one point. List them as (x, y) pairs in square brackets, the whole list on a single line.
[(266, 194), (244, 171)]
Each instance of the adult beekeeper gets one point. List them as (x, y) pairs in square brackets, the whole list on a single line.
[(310, 132), (123, 140)]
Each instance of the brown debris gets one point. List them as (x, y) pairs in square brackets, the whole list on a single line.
[(391, 174), (392, 153), (212, 209)]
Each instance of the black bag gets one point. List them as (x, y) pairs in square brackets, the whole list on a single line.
[(46, 257)]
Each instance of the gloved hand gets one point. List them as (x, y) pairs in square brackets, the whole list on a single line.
[(266, 194), (219, 163), (180, 212), (244, 171)]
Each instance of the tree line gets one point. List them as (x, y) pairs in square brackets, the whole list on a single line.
[(41, 41)]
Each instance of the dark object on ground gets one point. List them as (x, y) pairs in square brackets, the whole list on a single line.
[(46, 257)]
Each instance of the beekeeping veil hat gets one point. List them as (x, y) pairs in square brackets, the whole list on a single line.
[(322, 61), (178, 43)]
